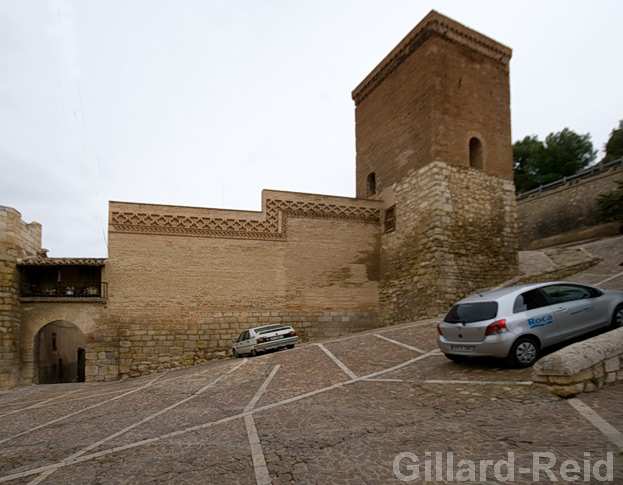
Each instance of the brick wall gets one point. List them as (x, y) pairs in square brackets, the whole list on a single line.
[(183, 282), (443, 85), (563, 209), (455, 233), (17, 239)]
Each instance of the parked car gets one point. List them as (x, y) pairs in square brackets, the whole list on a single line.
[(261, 339), (518, 322)]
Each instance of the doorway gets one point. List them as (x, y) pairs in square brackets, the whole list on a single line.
[(59, 354)]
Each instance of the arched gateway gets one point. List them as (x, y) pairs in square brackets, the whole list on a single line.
[(59, 352)]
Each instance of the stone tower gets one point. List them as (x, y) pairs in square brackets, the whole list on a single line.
[(434, 143)]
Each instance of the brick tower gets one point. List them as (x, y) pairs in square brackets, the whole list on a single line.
[(434, 143)]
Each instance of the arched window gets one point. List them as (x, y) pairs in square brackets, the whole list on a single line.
[(475, 153), (371, 184)]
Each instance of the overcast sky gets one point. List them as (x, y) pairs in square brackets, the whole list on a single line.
[(207, 102)]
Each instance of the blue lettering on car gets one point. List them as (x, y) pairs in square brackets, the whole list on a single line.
[(540, 321), (587, 309)]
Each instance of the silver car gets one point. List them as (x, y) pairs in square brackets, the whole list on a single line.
[(261, 339), (517, 322)]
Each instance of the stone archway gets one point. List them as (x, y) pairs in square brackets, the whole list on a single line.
[(59, 353)]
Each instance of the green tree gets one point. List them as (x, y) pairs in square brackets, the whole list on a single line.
[(564, 153), (527, 155), (614, 146), (610, 204)]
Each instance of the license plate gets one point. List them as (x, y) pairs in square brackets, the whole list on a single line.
[(462, 348), (276, 337)]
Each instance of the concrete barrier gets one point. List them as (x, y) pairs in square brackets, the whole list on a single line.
[(583, 366)]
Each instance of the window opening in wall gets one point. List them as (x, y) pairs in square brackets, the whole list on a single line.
[(390, 219), (371, 182), (475, 153)]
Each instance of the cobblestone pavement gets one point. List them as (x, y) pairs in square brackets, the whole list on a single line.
[(355, 410)]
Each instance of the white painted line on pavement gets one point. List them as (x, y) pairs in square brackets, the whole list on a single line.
[(41, 403), (80, 411), (600, 423), (92, 446), (608, 279), (163, 437), (383, 380), (262, 389), (450, 381), (400, 343), (257, 455), (339, 363)]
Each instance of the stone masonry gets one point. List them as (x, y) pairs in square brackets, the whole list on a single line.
[(17, 239), (446, 245), (434, 219)]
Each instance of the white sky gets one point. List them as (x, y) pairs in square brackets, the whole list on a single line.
[(207, 102)]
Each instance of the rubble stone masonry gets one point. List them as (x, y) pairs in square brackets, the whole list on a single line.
[(455, 233)]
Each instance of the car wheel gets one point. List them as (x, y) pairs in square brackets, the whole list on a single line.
[(236, 354), (617, 318), (456, 358), (291, 346), (254, 353), (524, 352)]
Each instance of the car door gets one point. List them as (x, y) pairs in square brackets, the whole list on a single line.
[(535, 315), (243, 343), (578, 309)]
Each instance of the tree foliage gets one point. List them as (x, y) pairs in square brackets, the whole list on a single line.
[(614, 146), (610, 205), (564, 153)]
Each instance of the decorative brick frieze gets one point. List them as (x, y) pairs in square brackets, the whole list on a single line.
[(272, 227)]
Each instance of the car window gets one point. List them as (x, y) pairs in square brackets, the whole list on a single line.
[(529, 301), (245, 335), (269, 329), (472, 312), (565, 293)]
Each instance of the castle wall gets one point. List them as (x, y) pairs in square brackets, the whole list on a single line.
[(17, 239), (569, 207), (455, 233), (443, 85), (184, 282), (96, 330)]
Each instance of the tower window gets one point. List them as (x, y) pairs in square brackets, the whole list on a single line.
[(475, 153), (371, 183)]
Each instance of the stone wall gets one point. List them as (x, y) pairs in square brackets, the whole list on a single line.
[(151, 342), (583, 366), (17, 239), (455, 233), (184, 282), (564, 209), (101, 336)]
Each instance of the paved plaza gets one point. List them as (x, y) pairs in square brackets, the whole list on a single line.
[(363, 409)]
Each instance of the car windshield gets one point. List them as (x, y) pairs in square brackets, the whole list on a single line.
[(472, 312)]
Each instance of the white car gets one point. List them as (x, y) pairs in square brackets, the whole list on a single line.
[(518, 322), (261, 339)]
